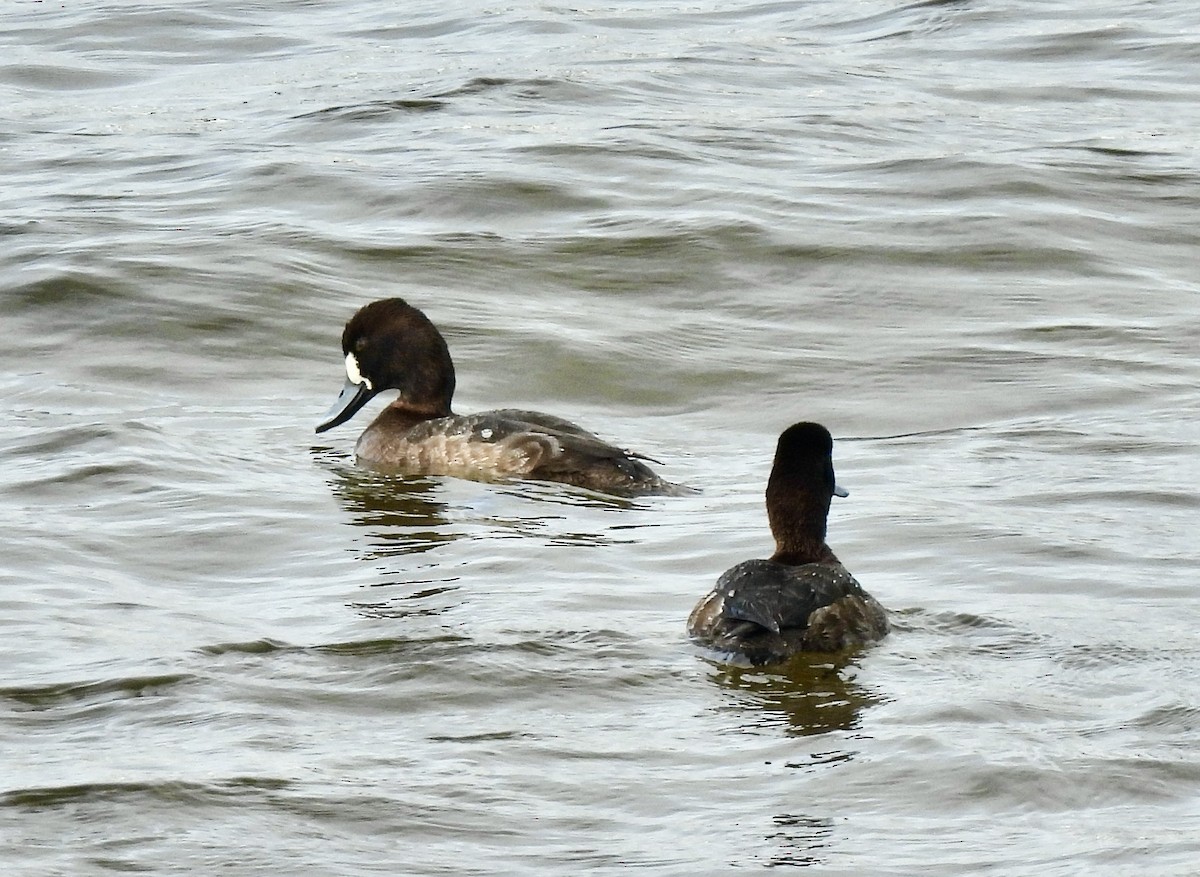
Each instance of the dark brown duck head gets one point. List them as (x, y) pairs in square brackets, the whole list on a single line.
[(390, 345), (799, 491)]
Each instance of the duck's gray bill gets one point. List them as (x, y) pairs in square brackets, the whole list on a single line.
[(838, 490), (353, 397)]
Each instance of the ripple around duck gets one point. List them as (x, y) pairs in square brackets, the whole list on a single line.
[(66, 77), (239, 788), (430, 646), (66, 297), (423, 675), (1178, 719), (376, 109), (45, 697), (165, 35)]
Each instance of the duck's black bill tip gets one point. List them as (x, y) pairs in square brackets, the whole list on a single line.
[(349, 401)]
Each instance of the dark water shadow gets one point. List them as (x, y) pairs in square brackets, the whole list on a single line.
[(400, 517), (401, 514), (374, 109), (807, 696), (405, 514), (813, 697), (799, 840)]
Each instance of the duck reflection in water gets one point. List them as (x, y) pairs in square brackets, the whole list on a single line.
[(801, 599), (809, 695), (401, 515), (812, 696), (404, 515)]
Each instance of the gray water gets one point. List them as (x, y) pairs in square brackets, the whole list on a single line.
[(963, 235)]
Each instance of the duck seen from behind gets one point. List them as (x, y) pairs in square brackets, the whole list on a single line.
[(391, 345), (802, 599)]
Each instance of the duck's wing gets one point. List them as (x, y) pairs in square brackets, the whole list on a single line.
[(560, 442), (562, 426), (573, 455), (545, 421), (779, 597), (586, 460)]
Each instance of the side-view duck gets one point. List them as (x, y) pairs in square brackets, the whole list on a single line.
[(390, 345), (802, 599)]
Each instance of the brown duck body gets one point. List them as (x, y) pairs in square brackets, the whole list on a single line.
[(802, 599), (769, 611), (503, 444), (389, 344)]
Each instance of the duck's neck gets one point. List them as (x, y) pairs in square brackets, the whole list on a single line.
[(798, 525), (402, 414), (427, 390), (427, 387)]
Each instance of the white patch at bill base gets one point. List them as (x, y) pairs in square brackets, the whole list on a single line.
[(354, 374)]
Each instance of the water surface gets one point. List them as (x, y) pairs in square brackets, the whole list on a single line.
[(962, 235)]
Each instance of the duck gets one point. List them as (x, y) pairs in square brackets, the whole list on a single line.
[(801, 598), (391, 345)]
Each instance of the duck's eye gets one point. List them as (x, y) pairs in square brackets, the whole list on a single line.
[(360, 345)]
